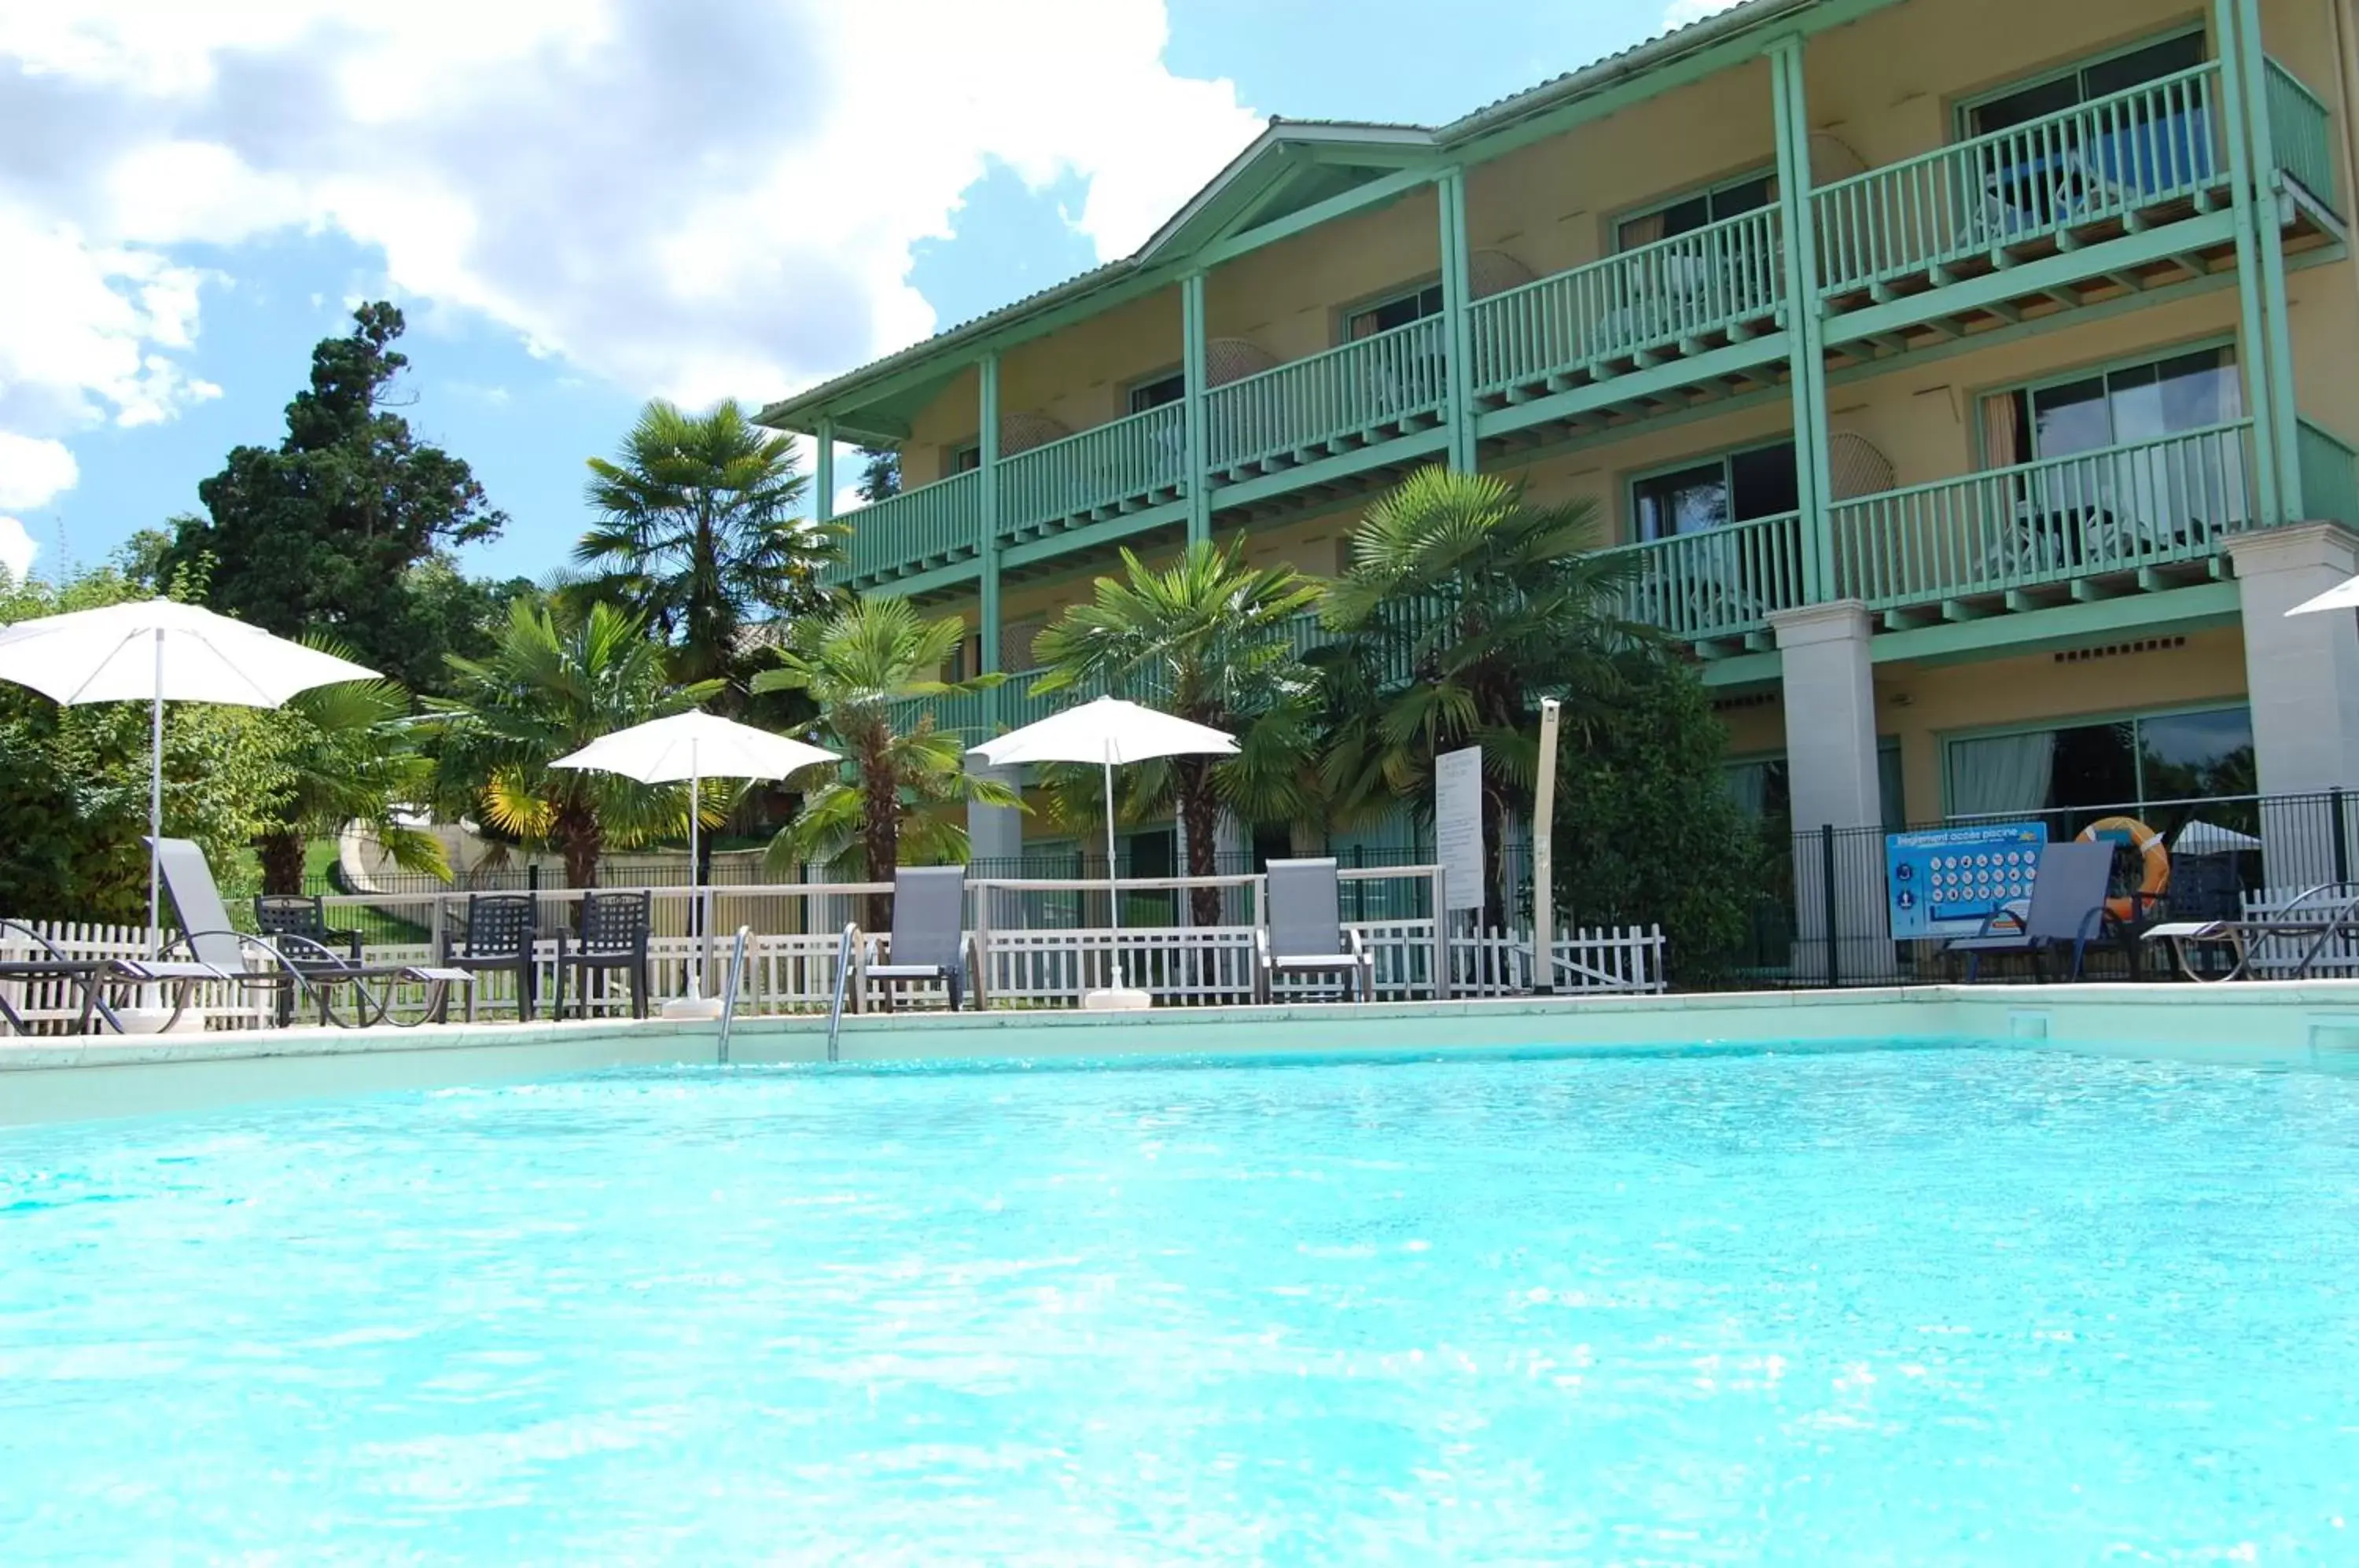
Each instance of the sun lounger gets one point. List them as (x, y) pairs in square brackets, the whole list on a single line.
[(291, 966), (2307, 926)]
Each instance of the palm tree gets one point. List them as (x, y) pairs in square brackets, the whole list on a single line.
[(1209, 640), (859, 666), (551, 686), (698, 535), (1462, 606), (350, 754)]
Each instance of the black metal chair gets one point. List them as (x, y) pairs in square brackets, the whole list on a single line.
[(299, 914), (614, 935), (499, 937)]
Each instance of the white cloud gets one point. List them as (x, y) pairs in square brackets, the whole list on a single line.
[(686, 197), (1679, 13), (33, 471), (16, 548)]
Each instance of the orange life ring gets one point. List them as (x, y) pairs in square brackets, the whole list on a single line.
[(2149, 846)]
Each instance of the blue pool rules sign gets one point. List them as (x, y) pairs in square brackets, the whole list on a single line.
[(1947, 881)]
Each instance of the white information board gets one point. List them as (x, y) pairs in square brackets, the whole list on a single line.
[(1458, 825)]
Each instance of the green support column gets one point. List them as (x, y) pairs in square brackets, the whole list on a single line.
[(2276, 307), (825, 466), (987, 544), (1805, 324), (1457, 322), (1192, 378), (2255, 351)]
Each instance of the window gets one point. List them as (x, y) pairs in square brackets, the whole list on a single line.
[(1155, 393), (2075, 773), (2115, 73), (1759, 482), (1763, 791), (1689, 213), (964, 458), (1398, 311), (2130, 500)]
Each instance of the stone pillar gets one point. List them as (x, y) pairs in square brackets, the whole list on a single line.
[(2301, 674), (1829, 700), (994, 840)]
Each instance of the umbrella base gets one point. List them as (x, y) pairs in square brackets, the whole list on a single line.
[(693, 1008), (1117, 1001)]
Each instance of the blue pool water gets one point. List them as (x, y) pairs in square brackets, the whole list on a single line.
[(1903, 1306)]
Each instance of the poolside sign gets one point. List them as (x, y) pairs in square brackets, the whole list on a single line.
[(1947, 881), (1458, 825)]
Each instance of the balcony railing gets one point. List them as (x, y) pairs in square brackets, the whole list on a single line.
[(2329, 476), (2301, 134), (2112, 158), (2121, 509), (929, 526), (1135, 461), (1711, 283), (1351, 393), (1716, 583)]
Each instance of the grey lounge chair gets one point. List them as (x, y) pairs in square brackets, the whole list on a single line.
[(2068, 908), (928, 937), (1305, 934), (94, 975), (293, 965), (2308, 924), (501, 930)]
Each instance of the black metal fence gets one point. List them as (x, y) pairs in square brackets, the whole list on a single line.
[(1824, 918)]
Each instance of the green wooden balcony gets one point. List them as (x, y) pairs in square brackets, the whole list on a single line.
[(1354, 396), (2117, 161), (1709, 287), (1715, 585), (2301, 134), (1130, 466), (934, 525), (2329, 476), (2145, 515)]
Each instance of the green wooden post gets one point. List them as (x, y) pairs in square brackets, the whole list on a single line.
[(1193, 390), (1805, 324), (2253, 352), (1457, 322), (824, 508), (2277, 309), (987, 551)]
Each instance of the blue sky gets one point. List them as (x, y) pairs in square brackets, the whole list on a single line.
[(194, 229)]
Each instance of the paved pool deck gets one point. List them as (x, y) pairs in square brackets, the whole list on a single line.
[(2290, 1025)]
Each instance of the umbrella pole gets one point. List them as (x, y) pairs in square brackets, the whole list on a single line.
[(156, 805), (1114, 883), (695, 896)]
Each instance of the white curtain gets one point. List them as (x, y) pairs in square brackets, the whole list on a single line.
[(2002, 775), (1748, 784)]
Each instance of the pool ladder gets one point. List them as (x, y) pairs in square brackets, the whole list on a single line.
[(844, 946), (729, 986)]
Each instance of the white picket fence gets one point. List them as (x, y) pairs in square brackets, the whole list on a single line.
[(2277, 957), (794, 969)]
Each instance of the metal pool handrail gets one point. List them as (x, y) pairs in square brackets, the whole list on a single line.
[(842, 970), (729, 986)]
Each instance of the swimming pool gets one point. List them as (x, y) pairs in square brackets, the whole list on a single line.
[(1919, 1305)]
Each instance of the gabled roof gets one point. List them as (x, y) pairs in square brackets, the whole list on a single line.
[(1292, 165)]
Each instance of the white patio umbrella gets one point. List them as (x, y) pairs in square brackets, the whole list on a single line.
[(1108, 732), (2210, 838), (696, 746), (2341, 596), (156, 652)]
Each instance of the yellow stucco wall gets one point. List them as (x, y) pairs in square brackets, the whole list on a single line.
[(1921, 707)]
